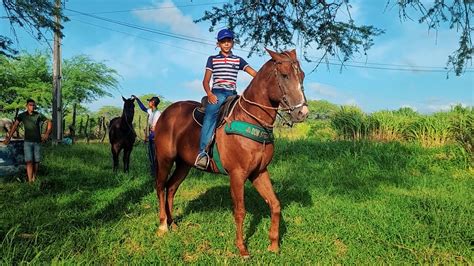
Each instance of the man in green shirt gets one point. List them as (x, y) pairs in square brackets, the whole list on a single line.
[(32, 121)]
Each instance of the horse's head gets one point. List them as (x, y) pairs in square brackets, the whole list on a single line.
[(128, 107), (289, 78)]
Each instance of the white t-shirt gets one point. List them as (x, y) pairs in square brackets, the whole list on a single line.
[(153, 117)]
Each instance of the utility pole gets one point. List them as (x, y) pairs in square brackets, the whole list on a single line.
[(57, 98)]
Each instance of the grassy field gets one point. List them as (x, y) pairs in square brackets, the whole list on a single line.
[(342, 202)]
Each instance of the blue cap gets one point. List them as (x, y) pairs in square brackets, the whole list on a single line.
[(225, 33)]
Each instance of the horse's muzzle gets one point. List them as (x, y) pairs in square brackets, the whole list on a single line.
[(299, 114)]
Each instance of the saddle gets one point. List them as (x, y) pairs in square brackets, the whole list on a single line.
[(224, 111)]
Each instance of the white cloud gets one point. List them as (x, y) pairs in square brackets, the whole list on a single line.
[(352, 102), (194, 85), (243, 81), (170, 16), (443, 107), (409, 106), (130, 58), (322, 90)]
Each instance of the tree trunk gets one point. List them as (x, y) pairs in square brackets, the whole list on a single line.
[(73, 125), (99, 122), (106, 129), (80, 127), (17, 132), (86, 130)]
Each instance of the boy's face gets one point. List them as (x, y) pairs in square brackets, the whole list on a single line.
[(226, 45), (30, 106), (151, 104)]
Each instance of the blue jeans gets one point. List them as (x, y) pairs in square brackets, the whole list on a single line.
[(210, 117), (151, 153), (32, 151)]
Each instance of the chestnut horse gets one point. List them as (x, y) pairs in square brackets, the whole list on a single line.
[(277, 86), (122, 135)]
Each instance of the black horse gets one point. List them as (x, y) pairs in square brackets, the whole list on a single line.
[(122, 135)]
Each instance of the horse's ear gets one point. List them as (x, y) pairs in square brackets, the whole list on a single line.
[(292, 53), (274, 55), (123, 99)]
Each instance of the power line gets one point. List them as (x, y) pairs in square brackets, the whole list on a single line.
[(363, 64), (391, 68), (139, 37), (159, 32), (164, 33), (155, 8), (396, 67)]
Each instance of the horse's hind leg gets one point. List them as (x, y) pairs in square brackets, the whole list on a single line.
[(164, 166), (264, 187), (179, 174)]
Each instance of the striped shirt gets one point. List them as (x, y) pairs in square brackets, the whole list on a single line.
[(224, 70)]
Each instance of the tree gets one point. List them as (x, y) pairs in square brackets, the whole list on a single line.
[(84, 81), (321, 109), (109, 112), (26, 77), (29, 76), (328, 26), (34, 16)]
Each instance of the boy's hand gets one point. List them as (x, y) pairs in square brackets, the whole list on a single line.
[(212, 98), (6, 141)]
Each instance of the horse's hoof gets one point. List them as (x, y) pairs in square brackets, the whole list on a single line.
[(160, 233), (274, 248), (174, 226), (245, 254), (162, 230)]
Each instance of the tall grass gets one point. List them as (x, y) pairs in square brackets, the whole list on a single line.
[(351, 122), (388, 126), (433, 130)]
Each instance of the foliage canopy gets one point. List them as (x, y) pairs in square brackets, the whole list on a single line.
[(329, 27)]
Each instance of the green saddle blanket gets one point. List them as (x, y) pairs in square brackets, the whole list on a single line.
[(250, 131)]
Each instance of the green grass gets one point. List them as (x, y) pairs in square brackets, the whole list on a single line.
[(342, 202)]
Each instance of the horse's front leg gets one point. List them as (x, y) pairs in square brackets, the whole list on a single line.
[(115, 156), (237, 193), (126, 159), (264, 187)]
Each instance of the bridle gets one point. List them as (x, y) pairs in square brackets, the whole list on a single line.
[(287, 107), (130, 127)]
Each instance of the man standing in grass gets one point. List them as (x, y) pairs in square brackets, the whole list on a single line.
[(32, 121), (153, 115)]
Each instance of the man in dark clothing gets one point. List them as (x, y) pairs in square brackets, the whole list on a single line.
[(32, 121)]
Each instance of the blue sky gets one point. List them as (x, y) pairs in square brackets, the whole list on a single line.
[(172, 67)]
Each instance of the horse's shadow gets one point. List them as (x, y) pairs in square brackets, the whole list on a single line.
[(214, 199)]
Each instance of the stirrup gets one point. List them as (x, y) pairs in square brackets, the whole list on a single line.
[(199, 163)]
